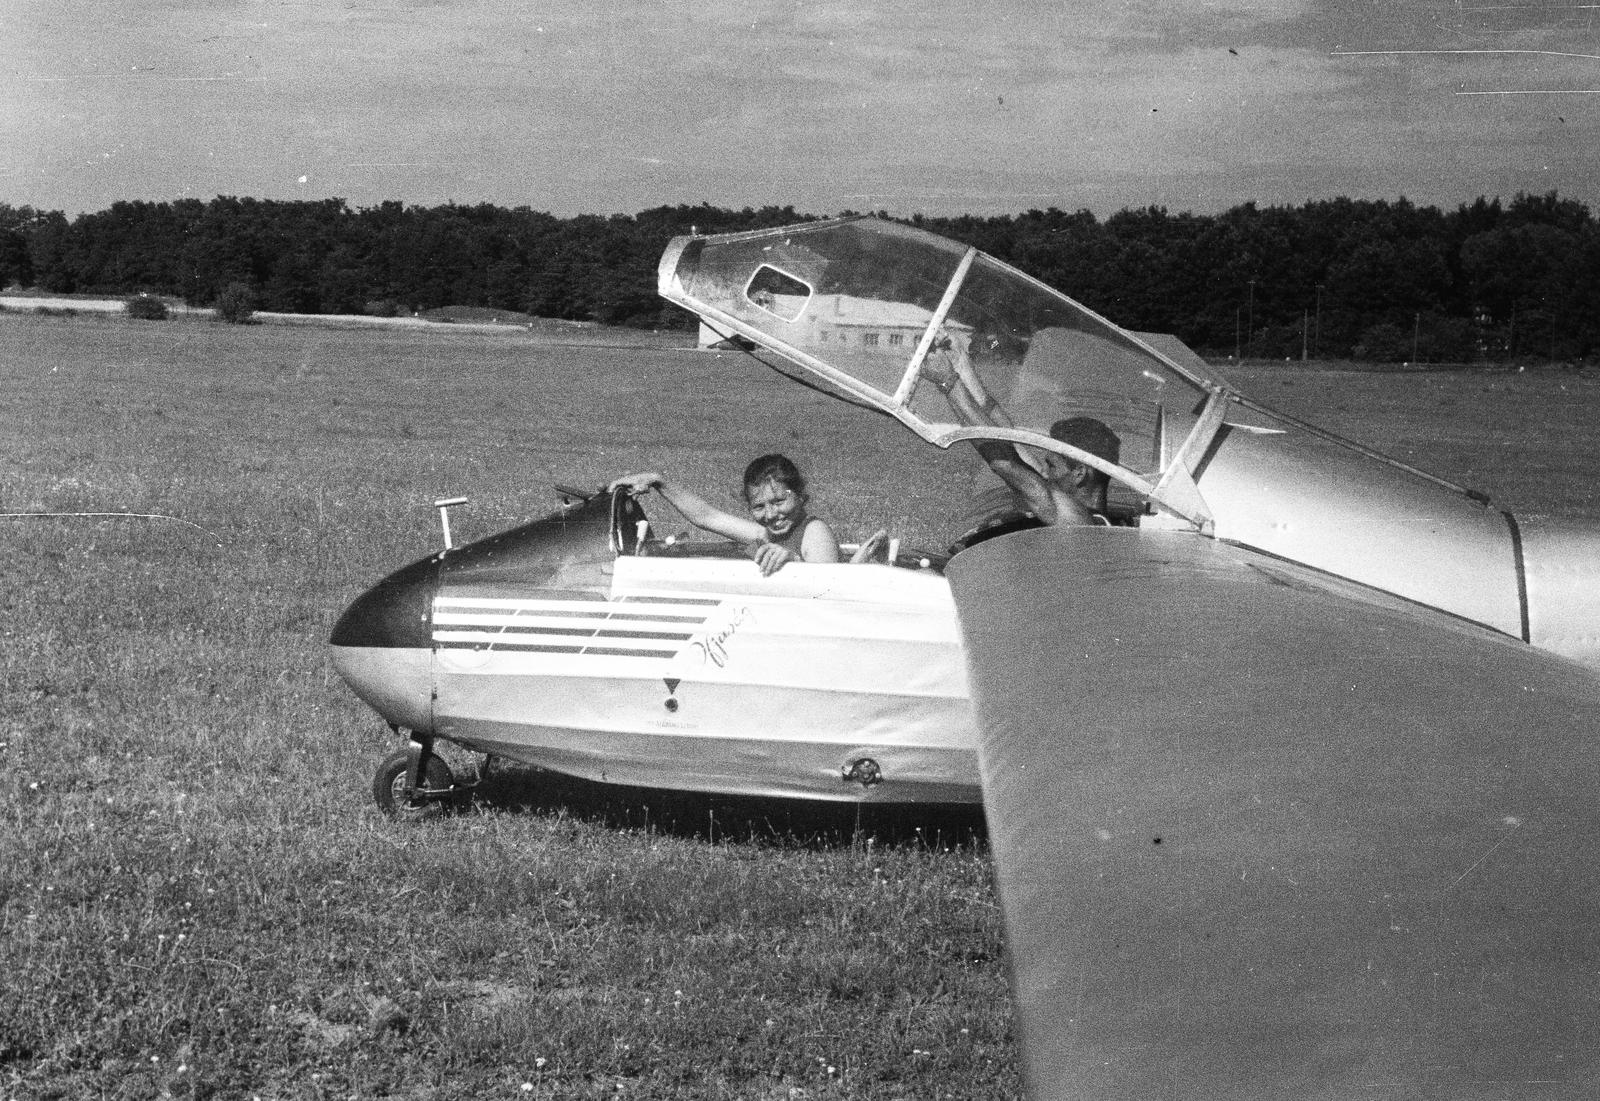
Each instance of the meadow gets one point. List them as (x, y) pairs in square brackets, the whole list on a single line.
[(197, 896)]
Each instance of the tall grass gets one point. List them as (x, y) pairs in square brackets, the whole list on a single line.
[(197, 898)]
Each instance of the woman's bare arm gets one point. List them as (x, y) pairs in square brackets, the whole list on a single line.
[(694, 508)]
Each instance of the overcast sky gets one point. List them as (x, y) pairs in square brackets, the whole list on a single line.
[(937, 106)]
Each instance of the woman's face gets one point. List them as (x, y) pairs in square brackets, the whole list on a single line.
[(775, 507)]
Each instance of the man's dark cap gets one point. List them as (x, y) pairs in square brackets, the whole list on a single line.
[(1089, 435)]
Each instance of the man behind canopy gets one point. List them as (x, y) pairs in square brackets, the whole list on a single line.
[(1069, 492)]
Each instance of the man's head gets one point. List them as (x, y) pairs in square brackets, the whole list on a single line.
[(1088, 434), (1093, 436)]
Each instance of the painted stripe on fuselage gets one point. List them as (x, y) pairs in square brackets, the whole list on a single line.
[(637, 606), (562, 640), (569, 622), (465, 625), (651, 628)]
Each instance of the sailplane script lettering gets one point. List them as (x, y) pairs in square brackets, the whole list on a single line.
[(712, 645)]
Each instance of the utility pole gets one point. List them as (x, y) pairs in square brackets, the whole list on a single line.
[(1250, 327), (1304, 319), (1317, 342)]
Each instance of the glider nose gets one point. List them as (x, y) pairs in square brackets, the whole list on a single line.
[(383, 648)]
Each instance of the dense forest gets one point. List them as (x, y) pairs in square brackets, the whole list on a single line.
[(1342, 277)]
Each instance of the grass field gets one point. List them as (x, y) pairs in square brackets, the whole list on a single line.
[(197, 898)]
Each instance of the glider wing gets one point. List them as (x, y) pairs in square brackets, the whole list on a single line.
[(1260, 836)]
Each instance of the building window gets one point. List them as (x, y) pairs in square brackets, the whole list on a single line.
[(778, 293), (870, 339), (896, 339)]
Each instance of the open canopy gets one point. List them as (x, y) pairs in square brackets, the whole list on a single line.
[(953, 342)]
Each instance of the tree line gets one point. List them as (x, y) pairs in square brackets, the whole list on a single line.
[(1375, 279)]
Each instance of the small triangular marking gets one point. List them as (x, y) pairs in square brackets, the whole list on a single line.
[(672, 684)]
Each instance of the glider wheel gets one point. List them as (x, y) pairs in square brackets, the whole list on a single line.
[(436, 796)]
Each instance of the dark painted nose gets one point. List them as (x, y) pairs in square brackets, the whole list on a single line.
[(383, 647), (394, 613)]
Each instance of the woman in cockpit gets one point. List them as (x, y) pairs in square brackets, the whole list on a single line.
[(779, 530)]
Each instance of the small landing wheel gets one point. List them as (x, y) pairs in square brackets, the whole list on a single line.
[(389, 788)]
